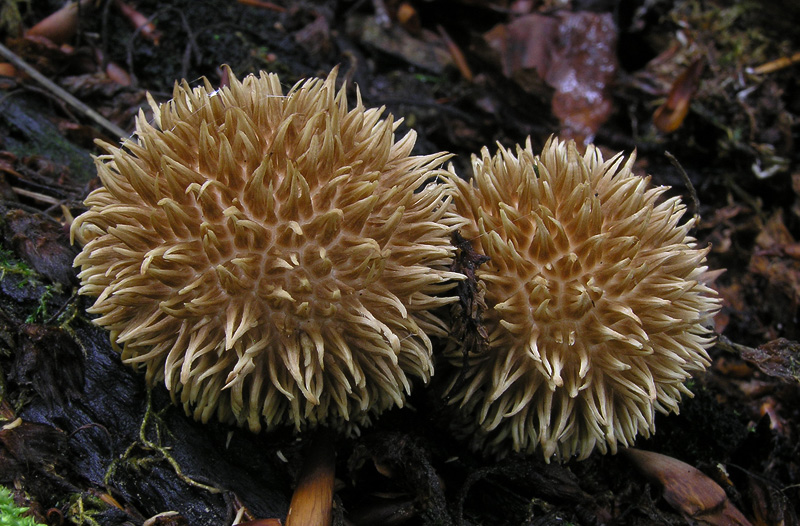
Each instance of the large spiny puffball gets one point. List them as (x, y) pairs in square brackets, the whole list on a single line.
[(596, 302), (274, 259)]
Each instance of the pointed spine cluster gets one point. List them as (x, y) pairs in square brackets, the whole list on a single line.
[(596, 302), (274, 258)]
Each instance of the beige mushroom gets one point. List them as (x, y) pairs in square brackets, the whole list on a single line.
[(596, 297), (272, 258)]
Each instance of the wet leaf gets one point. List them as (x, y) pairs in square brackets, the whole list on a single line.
[(775, 259), (41, 53), (43, 244), (468, 326), (315, 37), (61, 25), (696, 496), (573, 53), (430, 55), (778, 359), (669, 116), (140, 22), (30, 450), (770, 505)]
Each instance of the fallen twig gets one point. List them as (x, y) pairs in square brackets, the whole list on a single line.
[(688, 182), (61, 93), (265, 5), (775, 65)]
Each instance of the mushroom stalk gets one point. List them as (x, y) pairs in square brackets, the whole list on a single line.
[(313, 497)]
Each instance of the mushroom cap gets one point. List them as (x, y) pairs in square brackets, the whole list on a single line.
[(596, 302), (274, 259)]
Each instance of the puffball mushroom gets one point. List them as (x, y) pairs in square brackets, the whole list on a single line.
[(596, 302), (274, 259)]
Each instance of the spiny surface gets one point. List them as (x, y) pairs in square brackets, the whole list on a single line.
[(596, 302), (271, 257)]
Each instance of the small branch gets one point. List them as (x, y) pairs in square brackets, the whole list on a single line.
[(266, 5), (775, 65), (687, 182), (62, 94), (732, 347)]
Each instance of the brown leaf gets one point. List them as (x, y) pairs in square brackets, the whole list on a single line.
[(669, 116), (140, 22), (574, 53), (468, 323), (696, 496), (8, 70), (43, 244), (315, 37), (29, 448), (429, 54), (408, 18), (770, 505), (778, 359), (774, 262), (264, 5), (48, 58), (60, 26), (455, 52)]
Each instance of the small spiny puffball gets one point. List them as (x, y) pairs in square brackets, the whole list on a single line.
[(273, 258), (596, 302)]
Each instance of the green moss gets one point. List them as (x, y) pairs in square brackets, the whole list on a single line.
[(83, 509), (10, 265), (11, 17), (40, 314), (10, 513)]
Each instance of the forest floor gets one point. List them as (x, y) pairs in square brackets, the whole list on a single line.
[(706, 91)]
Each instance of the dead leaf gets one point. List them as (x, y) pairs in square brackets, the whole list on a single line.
[(770, 505), (777, 359), (696, 496), (408, 18), (774, 262), (468, 323), (458, 56), (669, 116), (61, 25), (45, 56), (8, 70), (140, 22), (428, 54), (263, 4), (574, 53), (43, 244), (315, 37), (30, 449)]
